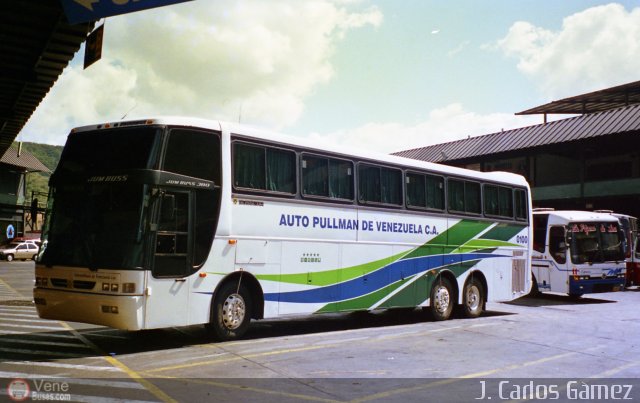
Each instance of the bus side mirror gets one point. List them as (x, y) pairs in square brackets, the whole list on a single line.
[(168, 208), (567, 240)]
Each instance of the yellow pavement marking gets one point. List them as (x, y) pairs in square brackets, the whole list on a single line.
[(612, 371), (157, 392), (254, 389), (238, 357), (516, 366)]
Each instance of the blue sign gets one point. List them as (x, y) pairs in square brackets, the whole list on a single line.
[(11, 232), (78, 11)]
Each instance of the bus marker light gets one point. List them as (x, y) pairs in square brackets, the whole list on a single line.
[(202, 275), (109, 309), (129, 288), (232, 241), (106, 286)]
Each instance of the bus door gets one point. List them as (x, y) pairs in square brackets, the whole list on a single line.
[(557, 275), (168, 282)]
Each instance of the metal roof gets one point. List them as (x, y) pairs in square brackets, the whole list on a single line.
[(597, 101), (26, 160), (36, 44), (615, 121)]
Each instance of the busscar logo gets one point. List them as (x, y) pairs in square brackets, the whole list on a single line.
[(18, 390)]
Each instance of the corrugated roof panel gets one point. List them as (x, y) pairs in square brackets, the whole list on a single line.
[(608, 123), (514, 138), (632, 122), (626, 114), (626, 119), (590, 126), (569, 130)]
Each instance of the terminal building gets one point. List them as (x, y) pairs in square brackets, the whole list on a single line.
[(16, 208), (588, 161)]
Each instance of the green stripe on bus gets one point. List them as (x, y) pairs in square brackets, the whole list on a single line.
[(503, 231), (417, 293), (330, 277), (364, 302)]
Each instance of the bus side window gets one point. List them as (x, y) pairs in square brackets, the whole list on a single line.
[(540, 231), (557, 244)]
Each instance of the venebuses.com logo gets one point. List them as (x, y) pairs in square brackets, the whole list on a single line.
[(20, 390)]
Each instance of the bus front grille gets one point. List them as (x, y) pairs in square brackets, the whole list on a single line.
[(84, 285), (59, 282)]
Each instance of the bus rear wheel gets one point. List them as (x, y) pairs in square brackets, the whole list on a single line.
[(473, 298), (441, 299), (231, 312)]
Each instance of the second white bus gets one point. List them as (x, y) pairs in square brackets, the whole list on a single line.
[(577, 252)]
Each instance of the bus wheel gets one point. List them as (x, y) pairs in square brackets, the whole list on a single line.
[(534, 286), (473, 298), (231, 312), (441, 297)]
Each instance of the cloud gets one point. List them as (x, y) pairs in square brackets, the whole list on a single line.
[(445, 124), (207, 59), (595, 49)]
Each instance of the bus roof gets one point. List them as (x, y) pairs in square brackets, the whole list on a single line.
[(575, 215), (249, 131)]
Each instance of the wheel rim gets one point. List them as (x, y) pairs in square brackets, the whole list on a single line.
[(233, 311), (473, 297), (442, 299)]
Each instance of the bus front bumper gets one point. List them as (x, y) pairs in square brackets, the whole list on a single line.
[(595, 285), (116, 311)]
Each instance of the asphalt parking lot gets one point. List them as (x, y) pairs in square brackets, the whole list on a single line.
[(390, 355)]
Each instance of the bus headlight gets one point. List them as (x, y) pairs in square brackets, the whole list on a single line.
[(42, 281)]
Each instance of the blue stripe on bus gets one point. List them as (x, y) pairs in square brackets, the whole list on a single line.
[(376, 280)]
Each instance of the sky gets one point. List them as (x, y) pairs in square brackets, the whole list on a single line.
[(382, 75)]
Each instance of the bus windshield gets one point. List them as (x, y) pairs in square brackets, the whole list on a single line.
[(596, 242), (96, 225)]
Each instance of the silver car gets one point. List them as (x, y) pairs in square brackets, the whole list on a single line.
[(19, 250)]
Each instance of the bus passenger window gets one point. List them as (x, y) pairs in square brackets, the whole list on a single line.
[(416, 190), (557, 244), (264, 168), (464, 197), (425, 191), (435, 192), (520, 198), (498, 201), (380, 185), (327, 177)]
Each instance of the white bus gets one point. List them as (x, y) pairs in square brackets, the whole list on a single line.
[(577, 252), (174, 222)]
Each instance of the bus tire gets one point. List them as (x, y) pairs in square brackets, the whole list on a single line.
[(534, 286), (473, 298), (230, 312), (441, 299)]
